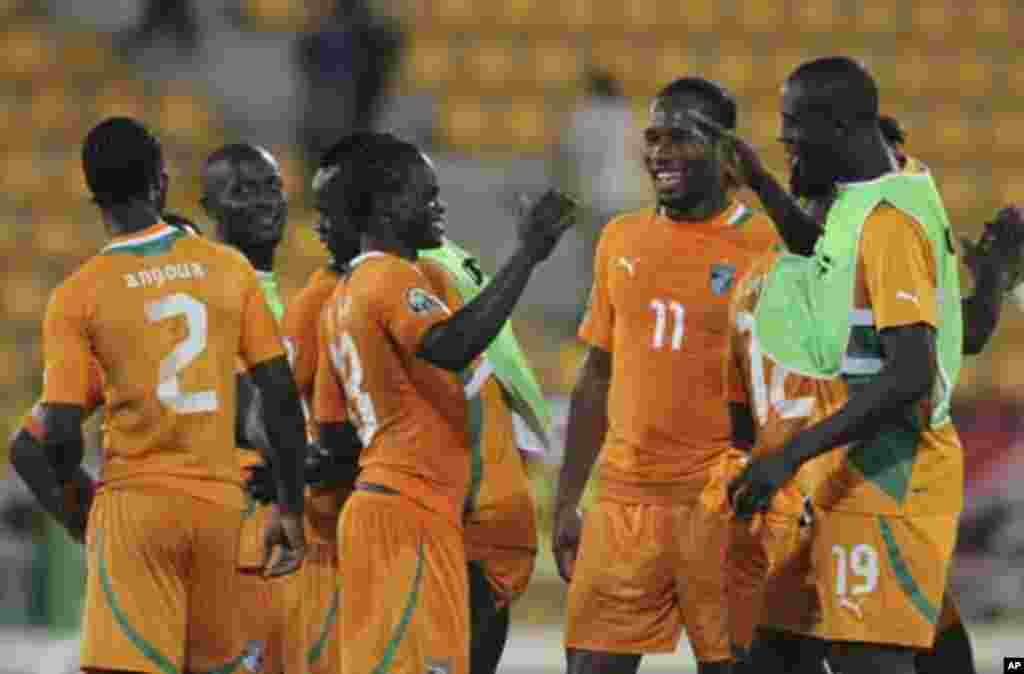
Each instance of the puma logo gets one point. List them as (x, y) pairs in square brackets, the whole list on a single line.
[(903, 295), (628, 265)]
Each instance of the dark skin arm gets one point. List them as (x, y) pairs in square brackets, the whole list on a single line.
[(905, 379), (456, 342), (994, 261), (981, 311), (337, 461), (799, 231), (744, 430), (285, 426), (249, 430), (68, 503), (588, 424)]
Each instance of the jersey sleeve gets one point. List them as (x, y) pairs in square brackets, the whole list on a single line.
[(899, 270), (260, 340), (67, 352), (599, 317), (301, 325), (328, 394), (407, 306)]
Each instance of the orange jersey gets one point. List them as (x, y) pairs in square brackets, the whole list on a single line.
[(301, 329), (499, 499), (782, 402), (165, 315), (660, 304), (33, 420), (411, 416)]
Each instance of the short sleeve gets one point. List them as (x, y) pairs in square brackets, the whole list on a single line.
[(329, 405), (597, 326), (301, 326), (260, 338), (67, 352), (899, 270), (406, 305)]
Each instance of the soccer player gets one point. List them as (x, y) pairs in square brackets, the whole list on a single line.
[(243, 193), (396, 349), (994, 261), (164, 315), (649, 399), (863, 316)]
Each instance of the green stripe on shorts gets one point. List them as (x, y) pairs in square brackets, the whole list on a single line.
[(903, 575)]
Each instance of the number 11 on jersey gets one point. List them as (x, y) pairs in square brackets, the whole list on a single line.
[(663, 311)]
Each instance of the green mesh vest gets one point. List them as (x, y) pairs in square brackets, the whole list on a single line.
[(504, 353), (805, 316)]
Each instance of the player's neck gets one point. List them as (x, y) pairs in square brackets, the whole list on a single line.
[(374, 244), (129, 218), (868, 158), (701, 212), (260, 257)]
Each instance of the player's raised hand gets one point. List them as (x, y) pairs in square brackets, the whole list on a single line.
[(542, 222), (753, 490), (744, 157), (284, 544), (1001, 247), (566, 540)]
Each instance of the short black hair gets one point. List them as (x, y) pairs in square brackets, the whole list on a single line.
[(122, 161), (367, 164), (892, 131), (841, 86), (720, 100)]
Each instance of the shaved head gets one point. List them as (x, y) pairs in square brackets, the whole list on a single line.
[(838, 87)]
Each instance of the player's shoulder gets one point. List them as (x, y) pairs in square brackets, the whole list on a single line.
[(748, 290), (382, 270), (756, 229), (889, 222), (627, 225)]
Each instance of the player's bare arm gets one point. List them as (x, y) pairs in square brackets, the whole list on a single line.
[(906, 378), (588, 423), (29, 458), (994, 261), (744, 429), (286, 430), (456, 342), (797, 228)]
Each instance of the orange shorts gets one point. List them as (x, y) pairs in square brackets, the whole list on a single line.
[(162, 587), (643, 573), (405, 603), (881, 579), (313, 634), (264, 606), (768, 578), (503, 540)]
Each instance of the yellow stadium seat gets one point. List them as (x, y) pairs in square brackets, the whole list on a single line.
[(609, 17), (782, 61), (935, 17), (1008, 132), (55, 113), (733, 66), (25, 298), (687, 17), (1011, 188), (554, 64), (879, 16), (577, 16), (460, 14), (427, 63), (951, 131), (27, 54), (641, 15), (973, 75), (466, 122), (183, 116), (528, 124), (23, 177), (518, 14), (671, 61), (816, 16), (627, 62), (910, 70), (492, 65), (958, 189), (120, 97), (83, 53), (284, 16), (761, 16), (992, 17)]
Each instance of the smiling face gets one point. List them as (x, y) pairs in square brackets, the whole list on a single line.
[(811, 138), (679, 156), (246, 197), (417, 214)]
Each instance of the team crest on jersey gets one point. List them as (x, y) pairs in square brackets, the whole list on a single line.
[(722, 276), (438, 666), (422, 302)]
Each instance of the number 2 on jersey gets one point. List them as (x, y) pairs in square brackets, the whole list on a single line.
[(346, 360), (776, 395), (168, 391)]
